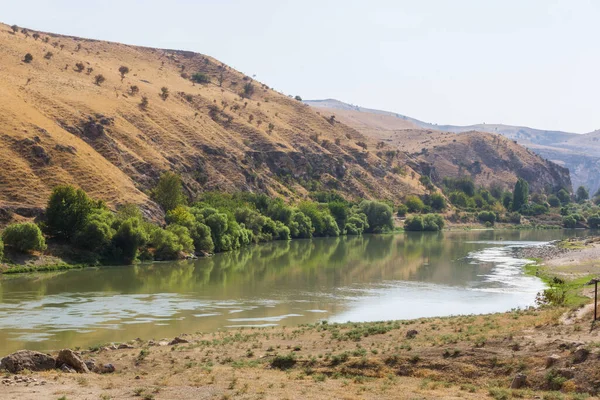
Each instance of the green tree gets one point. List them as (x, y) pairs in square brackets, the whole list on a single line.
[(128, 240), (24, 237), (414, 204), (300, 225), (438, 202), (563, 196), (569, 221), (594, 221), (554, 201), (520, 194), (1, 249), (414, 223), (379, 216), (168, 193), (67, 211), (582, 194)]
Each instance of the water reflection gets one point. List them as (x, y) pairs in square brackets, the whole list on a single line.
[(348, 278)]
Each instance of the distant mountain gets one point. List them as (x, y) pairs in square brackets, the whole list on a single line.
[(580, 153)]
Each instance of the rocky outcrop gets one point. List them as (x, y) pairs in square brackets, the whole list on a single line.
[(26, 359), (71, 359)]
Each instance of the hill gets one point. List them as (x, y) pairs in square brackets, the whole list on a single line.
[(579, 153), (224, 131), (487, 157)]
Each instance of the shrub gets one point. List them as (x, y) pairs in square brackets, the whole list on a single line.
[(402, 210), (28, 58), (79, 67), (164, 93), (1, 249), (99, 79), (554, 201), (594, 221), (144, 103), (438, 202), (248, 90), (168, 193), (128, 239), (67, 211), (433, 222), (199, 77), (487, 216), (48, 55), (89, 70), (298, 98), (563, 196), (379, 216), (582, 194), (569, 221), (414, 223), (95, 235), (414, 204), (133, 90), (24, 237), (15, 28), (300, 225), (166, 244)]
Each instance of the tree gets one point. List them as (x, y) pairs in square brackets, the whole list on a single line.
[(48, 55), (553, 200), (123, 70), (28, 58), (24, 237), (569, 221), (168, 193), (563, 196), (379, 216), (79, 67), (164, 93), (199, 77), (144, 103), (520, 194), (15, 28), (582, 194), (248, 90), (129, 238), (36, 36), (99, 79), (438, 202), (1, 249), (300, 225), (298, 98), (594, 221), (414, 204), (67, 211), (133, 90)]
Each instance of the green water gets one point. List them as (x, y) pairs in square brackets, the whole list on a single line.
[(373, 277)]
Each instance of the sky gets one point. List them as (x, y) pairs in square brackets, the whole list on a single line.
[(534, 63)]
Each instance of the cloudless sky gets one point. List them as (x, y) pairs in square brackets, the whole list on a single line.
[(533, 62)]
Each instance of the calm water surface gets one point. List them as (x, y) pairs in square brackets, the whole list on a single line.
[(367, 278)]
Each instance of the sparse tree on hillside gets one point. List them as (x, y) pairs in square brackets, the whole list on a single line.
[(99, 79), (48, 55), (79, 67), (90, 70), (582, 194), (123, 70), (199, 77), (164, 93), (298, 98), (15, 28), (28, 58), (36, 36), (144, 103), (133, 90), (168, 193), (248, 90)]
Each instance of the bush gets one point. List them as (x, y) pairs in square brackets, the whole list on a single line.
[(563, 196), (144, 103), (99, 79), (166, 244), (569, 221), (28, 58), (24, 237), (128, 239), (134, 89), (414, 223), (248, 90), (168, 192), (433, 222), (414, 204), (438, 202), (1, 250), (402, 210), (48, 55), (199, 77), (582, 194), (487, 216), (164, 93), (79, 67), (123, 70), (594, 221), (95, 236), (379, 216), (300, 225), (554, 201)]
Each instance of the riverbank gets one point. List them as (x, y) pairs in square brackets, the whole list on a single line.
[(453, 357)]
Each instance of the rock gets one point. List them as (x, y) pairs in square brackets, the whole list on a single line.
[(567, 373), (580, 355), (551, 360), (125, 346), (91, 364), (518, 381), (178, 340), (106, 369), (26, 359), (67, 369), (411, 334), (72, 360)]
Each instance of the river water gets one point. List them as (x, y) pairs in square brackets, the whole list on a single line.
[(368, 278)]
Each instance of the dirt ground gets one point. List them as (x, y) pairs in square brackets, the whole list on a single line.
[(470, 357)]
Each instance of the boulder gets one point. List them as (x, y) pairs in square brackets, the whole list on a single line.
[(551, 360), (518, 381), (26, 359), (178, 340), (72, 360), (105, 369), (580, 355), (125, 346)]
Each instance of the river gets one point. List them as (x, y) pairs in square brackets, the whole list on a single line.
[(373, 277)]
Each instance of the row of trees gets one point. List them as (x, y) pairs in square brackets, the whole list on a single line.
[(216, 222)]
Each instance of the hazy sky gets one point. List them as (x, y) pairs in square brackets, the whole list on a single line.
[(523, 62)]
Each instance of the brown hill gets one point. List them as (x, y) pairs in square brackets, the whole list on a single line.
[(58, 126), (488, 158)]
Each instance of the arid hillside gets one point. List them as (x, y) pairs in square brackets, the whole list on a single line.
[(68, 115), (579, 153), (488, 158)]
